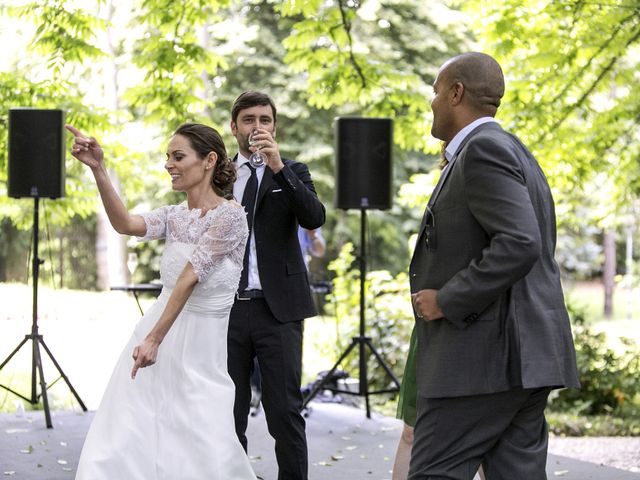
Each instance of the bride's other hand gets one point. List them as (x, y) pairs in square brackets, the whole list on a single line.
[(86, 149), (144, 355)]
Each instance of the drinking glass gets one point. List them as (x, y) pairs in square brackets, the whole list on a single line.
[(257, 158)]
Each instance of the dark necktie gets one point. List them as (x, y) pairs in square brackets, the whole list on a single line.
[(249, 204)]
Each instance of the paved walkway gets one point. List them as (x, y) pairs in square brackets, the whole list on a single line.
[(343, 445)]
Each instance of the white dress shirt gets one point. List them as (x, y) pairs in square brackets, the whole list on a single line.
[(238, 190)]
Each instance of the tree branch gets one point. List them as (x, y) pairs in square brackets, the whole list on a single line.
[(347, 28), (588, 91), (578, 74)]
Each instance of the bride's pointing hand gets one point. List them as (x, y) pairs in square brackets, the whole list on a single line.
[(144, 355), (86, 149)]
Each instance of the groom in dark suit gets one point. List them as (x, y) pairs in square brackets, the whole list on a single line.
[(274, 295), (493, 332)]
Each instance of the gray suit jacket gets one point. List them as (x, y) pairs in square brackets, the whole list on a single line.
[(492, 237)]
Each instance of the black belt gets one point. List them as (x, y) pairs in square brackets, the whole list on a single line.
[(249, 294)]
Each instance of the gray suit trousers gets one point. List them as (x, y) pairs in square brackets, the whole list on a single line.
[(506, 432)]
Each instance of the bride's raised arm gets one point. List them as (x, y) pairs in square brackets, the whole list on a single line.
[(88, 151)]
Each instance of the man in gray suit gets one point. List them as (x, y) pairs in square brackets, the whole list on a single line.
[(493, 331)]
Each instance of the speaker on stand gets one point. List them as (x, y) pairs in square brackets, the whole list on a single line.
[(364, 179), (36, 169)]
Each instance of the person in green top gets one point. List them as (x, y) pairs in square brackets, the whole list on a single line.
[(407, 413)]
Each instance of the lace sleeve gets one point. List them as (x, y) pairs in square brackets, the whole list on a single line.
[(156, 222), (226, 237)]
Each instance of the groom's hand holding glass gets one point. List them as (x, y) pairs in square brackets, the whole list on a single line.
[(263, 141)]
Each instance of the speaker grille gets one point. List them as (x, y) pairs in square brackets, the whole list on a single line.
[(363, 163), (36, 153)]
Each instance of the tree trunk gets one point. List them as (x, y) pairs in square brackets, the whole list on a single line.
[(111, 254), (61, 265), (111, 261), (629, 272), (609, 271)]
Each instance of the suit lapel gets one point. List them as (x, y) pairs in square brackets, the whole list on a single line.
[(441, 180), (436, 192)]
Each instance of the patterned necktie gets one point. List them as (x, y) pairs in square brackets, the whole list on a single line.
[(249, 204), (443, 157)]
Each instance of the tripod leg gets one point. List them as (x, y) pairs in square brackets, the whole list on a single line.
[(33, 395), (43, 385), (64, 377), (326, 378), (364, 380), (6, 360), (382, 363), (35, 357), (135, 295)]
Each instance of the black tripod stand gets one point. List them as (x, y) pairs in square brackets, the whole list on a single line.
[(37, 340), (360, 341)]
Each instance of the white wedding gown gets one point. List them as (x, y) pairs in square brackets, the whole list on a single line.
[(175, 420)]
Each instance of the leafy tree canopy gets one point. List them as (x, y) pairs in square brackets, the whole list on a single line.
[(129, 72)]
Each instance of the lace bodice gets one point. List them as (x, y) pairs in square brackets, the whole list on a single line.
[(213, 243)]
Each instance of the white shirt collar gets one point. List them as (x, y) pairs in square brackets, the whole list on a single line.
[(241, 160), (454, 144)]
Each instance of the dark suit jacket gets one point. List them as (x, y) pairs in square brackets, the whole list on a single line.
[(285, 200), (506, 324)]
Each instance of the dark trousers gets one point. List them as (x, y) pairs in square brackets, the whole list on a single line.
[(506, 432), (255, 332)]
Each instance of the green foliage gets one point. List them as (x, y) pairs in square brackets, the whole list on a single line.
[(578, 425), (60, 398), (173, 61), (375, 59), (388, 317), (114, 66), (117, 64), (64, 34), (69, 254), (610, 381), (570, 67), (14, 247), (19, 91), (363, 58)]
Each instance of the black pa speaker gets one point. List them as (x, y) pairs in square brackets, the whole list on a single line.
[(36, 153), (363, 162)]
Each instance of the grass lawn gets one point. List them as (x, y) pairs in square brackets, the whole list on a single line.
[(590, 295), (86, 332), (625, 321)]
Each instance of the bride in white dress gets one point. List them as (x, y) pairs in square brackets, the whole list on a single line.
[(167, 412)]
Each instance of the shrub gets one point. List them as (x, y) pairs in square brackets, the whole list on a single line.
[(610, 381), (388, 316)]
